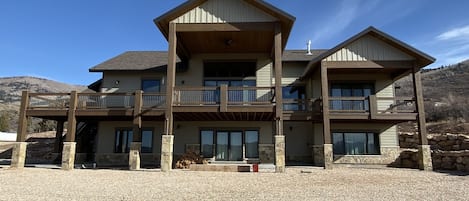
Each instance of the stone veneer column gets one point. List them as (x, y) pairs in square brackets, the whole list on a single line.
[(18, 155), (425, 158), (328, 156), (167, 152), (68, 155), (134, 155), (280, 153)]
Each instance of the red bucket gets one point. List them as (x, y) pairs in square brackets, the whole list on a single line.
[(255, 167)]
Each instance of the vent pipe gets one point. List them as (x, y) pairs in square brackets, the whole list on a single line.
[(308, 44)]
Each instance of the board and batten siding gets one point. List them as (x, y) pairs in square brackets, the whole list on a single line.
[(224, 11), (291, 72), (369, 48)]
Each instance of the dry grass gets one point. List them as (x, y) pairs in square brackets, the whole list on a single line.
[(337, 184)]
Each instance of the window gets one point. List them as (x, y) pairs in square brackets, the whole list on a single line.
[(291, 95), (124, 138), (251, 139), (351, 90), (233, 95), (227, 145), (230, 69), (355, 143), (151, 86), (206, 143)]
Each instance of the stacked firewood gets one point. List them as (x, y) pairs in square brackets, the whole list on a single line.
[(189, 158)]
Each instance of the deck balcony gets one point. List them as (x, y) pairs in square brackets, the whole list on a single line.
[(218, 103)]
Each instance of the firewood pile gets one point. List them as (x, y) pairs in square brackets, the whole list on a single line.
[(189, 158)]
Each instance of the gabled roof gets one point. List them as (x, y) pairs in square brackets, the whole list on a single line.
[(421, 58), (286, 20), (135, 61), (158, 60)]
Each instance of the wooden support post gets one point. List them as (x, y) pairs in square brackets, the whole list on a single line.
[(135, 146), (328, 156), (58, 136), (18, 155), (168, 138), (424, 154), (373, 104), (279, 136), (69, 149), (224, 98), (23, 119)]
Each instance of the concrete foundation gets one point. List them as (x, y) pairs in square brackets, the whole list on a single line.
[(18, 155), (328, 156), (134, 155), (68, 155), (425, 158), (167, 152), (279, 153)]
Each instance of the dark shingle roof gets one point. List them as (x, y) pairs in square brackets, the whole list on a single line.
[(135, 60), (300, 55), (158, 60)]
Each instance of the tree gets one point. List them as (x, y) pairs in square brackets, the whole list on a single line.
[(4, 122)]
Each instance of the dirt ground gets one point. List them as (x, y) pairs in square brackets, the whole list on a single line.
[(298, 183)]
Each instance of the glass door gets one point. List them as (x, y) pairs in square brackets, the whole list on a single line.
[(222, 145), (236, 146)]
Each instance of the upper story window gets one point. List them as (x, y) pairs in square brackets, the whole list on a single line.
[(151, 85), (293, 97), (225, 69), (360, 91)]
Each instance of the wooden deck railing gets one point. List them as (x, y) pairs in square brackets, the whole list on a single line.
[(372, 104)]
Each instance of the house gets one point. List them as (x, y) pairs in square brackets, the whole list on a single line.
[(228, 90)]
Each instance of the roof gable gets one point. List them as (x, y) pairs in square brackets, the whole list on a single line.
[(395, 49), (224, 11)]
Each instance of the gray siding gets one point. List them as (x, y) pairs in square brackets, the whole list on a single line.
[(224, 11), (369, 48)]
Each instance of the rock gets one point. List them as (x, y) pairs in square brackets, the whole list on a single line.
[(459, 159), (460, 167)]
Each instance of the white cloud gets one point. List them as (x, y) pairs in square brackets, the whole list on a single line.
[(455, 34)]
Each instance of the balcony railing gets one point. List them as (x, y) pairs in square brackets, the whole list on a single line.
[(196, 96), (372, 104)]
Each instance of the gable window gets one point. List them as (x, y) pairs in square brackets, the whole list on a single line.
[(293, 97), (151, 85), (357, 94), (355, 143), (124, 138)]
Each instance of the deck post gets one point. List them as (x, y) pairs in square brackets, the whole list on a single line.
[(168, 138), (279, 136), (69, 147), (135, 146), (58, 136), (424, 153), (18, 155), (328, 150)]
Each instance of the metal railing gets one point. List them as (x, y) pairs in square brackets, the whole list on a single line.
[(49, 100), (195, 96), (105, 100)]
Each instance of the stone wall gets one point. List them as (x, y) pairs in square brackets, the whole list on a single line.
[(449, 151)]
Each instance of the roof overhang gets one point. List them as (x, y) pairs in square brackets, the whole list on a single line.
[(184, 47)]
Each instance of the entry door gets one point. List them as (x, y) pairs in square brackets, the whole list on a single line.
[(229, 146)]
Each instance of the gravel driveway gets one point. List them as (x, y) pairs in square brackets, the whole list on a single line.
[(317, 184)]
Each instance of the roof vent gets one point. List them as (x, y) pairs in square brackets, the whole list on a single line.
[(308, 45)]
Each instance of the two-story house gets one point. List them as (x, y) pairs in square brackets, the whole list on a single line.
[(227, 89)]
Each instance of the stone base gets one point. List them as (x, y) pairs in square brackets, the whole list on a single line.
[(328, 156), (318, 155), (388, 155), (68, 155), (18, 155), (134, 155), (167, 152), (425, 158), (266, 153), (279, 153)]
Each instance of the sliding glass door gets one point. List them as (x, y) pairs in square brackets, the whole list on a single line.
[(230, 145)]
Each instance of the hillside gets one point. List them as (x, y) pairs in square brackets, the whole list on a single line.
[(12, 87), (445, 90)]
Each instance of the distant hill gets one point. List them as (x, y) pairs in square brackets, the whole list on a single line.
[(12, 87), (445, 90)]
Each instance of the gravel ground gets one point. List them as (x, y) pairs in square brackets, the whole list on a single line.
[(317, 184)]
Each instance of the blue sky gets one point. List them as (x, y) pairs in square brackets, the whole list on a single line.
[(61, 40)]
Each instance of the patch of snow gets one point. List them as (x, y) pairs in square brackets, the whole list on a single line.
[(7, 137)]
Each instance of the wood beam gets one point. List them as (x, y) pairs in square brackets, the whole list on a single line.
[(23, 119), (170, 77), (278, 78), (72, 120), (137, 122), (418, 92), (325, 106), (234, 27)]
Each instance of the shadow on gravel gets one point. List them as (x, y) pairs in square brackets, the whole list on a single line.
[(453, 173)]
